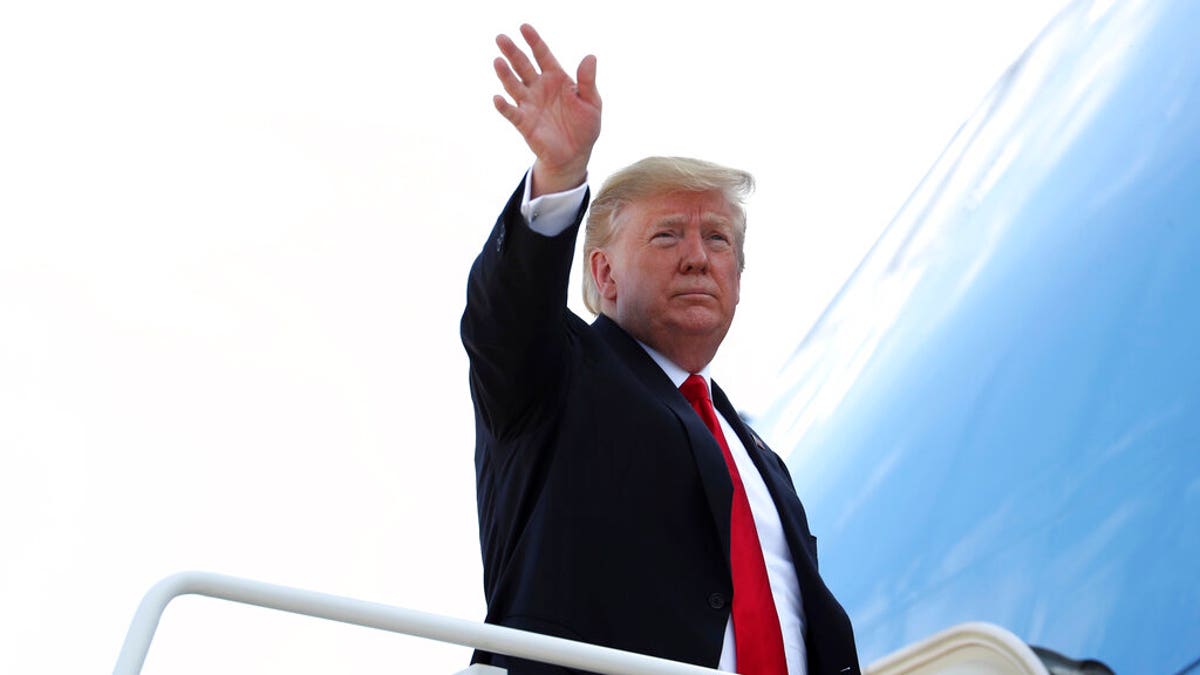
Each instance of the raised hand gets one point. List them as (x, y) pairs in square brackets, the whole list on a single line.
[(558, 117)]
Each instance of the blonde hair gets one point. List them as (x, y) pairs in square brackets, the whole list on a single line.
[(655, 176)]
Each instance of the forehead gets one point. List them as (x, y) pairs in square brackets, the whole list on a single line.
[(679, 205)]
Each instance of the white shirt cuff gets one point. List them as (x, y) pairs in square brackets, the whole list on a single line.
[(550, 214)]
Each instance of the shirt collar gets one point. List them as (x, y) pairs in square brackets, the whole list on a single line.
[(674, 372)]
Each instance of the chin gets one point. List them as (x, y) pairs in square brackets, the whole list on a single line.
[(698, 321)]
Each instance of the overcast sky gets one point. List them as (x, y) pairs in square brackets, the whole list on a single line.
[(234, 239)]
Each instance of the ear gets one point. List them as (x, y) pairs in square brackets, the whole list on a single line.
[(602, 273)]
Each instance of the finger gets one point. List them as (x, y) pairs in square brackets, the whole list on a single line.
[(545, 59), (512, 85), (508, 110), (586, 77), (517, 58)]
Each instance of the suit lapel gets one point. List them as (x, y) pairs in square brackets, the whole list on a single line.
[(822, 621), (778, 484), (753, 444), (710, 463)]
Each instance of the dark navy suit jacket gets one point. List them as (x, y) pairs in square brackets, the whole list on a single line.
[(603, 499)]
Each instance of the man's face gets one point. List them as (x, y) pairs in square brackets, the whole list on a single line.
[(672, 277)]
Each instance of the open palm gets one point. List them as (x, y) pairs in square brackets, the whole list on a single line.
[(558, 117)]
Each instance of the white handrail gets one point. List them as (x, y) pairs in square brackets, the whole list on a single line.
[(490, 638)]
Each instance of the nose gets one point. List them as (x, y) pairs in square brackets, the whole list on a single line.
[(693, 257)]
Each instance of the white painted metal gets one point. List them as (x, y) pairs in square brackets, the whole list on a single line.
[(498, 639), (966, 649)]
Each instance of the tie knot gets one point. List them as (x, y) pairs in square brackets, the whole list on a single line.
[(694, 389)]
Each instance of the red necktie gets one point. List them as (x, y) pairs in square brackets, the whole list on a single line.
[(756, 633)]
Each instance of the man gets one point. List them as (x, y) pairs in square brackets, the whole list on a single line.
[(616, 506)]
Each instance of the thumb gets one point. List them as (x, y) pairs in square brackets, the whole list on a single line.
[(586, 77)]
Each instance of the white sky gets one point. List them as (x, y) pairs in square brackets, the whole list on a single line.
[(234, 239)]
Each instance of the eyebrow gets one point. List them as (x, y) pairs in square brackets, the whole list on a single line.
[(707, 218)]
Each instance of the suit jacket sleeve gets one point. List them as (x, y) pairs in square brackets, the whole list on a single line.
[(513, 327)]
